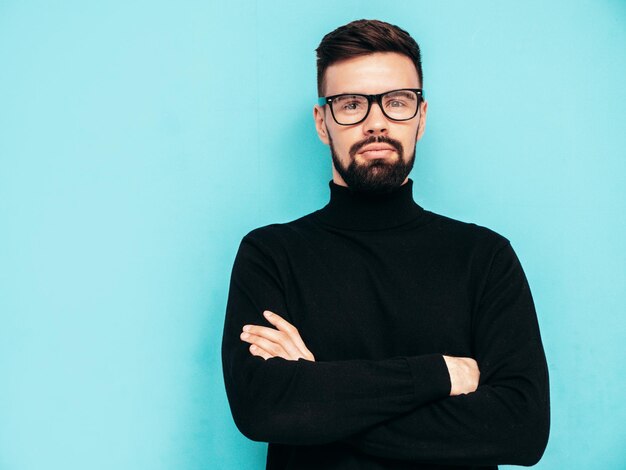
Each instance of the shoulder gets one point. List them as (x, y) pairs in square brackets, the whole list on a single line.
[(278, 236), (455, 227), (468, 235), (486, 253)]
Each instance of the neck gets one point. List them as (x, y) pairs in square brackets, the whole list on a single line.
[(363, 211), (338, 180)]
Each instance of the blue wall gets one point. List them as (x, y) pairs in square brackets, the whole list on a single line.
[(140, 140)]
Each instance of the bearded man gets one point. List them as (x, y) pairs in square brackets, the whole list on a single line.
[(372, 333)]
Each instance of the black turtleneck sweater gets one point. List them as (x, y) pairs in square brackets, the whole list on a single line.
[(380, 289)]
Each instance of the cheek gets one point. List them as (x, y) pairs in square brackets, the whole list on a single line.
[(342, 140), (408, 138), (414, 134)]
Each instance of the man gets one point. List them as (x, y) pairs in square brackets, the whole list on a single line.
[(373, 333)]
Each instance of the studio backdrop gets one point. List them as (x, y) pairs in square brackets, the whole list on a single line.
[(141, 140)]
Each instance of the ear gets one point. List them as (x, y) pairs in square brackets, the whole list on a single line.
[(422, 124), (319, 115)]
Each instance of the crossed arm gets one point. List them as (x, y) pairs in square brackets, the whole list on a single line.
[(284, 341), (400, 408)]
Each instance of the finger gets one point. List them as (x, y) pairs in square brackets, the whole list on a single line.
[(266, 332), (275, 336), (274, 349), (256, 351), (283, 325), (289, 329)]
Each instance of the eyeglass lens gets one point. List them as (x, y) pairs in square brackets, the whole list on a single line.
[(396, 105)]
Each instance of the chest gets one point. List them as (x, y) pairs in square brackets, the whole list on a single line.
[(375, 299)]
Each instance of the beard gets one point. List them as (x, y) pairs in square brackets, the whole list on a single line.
[(378, 175)]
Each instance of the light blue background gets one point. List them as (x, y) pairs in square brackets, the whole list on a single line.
[(139, 141)]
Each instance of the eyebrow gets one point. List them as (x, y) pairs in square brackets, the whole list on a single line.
[(364, 93)]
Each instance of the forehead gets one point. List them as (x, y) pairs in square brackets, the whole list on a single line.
[(370, 74)]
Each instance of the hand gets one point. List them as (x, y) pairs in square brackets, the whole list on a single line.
[(283, 342), (464, 374)]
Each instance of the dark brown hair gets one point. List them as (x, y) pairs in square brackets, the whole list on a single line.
[(362, 37)]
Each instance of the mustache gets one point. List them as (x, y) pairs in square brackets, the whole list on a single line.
[(381, 139)]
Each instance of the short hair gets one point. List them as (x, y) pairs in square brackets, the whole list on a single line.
[(362, 37)]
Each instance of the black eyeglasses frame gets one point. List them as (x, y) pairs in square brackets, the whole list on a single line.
[(322, 100)]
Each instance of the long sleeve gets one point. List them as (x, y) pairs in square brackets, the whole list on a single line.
[(506, 421), (303, 402)]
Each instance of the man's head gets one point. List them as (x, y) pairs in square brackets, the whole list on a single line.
[(364, 37), (370, 57)]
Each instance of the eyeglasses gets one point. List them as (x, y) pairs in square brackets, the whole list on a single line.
[(349, 109)]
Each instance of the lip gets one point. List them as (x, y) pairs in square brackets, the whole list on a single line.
[(377, 151), (376, 148)]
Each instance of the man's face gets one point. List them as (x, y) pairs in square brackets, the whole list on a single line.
[(377, 154)]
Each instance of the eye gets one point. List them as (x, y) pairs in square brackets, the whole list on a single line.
[(400, 99), (349, 103), (396, 104)]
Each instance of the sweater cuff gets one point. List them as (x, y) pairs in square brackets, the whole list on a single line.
[(430, 377)]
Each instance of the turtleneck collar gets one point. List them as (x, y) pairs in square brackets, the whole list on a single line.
[(361, 211)]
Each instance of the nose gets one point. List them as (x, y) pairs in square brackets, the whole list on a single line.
[(375, 123)]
